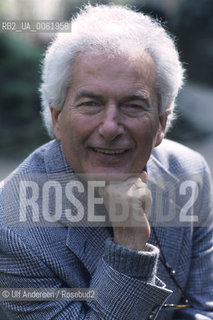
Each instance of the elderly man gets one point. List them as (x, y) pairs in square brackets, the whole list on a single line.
[(107, 205)]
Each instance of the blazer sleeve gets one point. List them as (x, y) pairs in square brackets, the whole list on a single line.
[(125, 280)]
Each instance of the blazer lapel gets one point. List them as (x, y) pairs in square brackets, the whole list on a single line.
[(165, 217), (88, 244)]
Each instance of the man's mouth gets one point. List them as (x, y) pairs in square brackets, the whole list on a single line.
[(110, 151)]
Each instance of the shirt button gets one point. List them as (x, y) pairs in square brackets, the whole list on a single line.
[(153, 313)]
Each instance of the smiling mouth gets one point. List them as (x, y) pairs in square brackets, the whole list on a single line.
[(110, 152)]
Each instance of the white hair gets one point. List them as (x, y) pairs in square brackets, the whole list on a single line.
[(112, 30)]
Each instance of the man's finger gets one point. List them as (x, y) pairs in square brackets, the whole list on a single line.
[(143, 176)]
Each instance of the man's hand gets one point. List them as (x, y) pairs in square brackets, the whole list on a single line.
[(128, 204)]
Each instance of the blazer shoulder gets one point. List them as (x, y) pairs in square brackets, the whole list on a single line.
[(34, 163), (177, 158)]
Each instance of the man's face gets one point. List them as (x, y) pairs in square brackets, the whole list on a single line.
[(110, 121)]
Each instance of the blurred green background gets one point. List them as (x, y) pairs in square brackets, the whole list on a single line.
[(21, 129)]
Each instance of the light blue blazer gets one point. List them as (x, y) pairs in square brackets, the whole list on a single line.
[(130, 285)]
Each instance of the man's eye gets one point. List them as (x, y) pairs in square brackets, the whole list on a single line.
[(90, 104), (133, 106), (133, 109), (90, 107)]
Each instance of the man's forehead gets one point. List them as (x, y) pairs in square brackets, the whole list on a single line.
[(119, 70), (93, 58), (134, 94)]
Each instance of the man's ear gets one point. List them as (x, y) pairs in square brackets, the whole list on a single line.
[(162, 127), (55, 113)]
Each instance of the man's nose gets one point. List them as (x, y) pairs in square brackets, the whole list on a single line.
[(111, 127)]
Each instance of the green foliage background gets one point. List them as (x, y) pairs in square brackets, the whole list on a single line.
[(20, 121)]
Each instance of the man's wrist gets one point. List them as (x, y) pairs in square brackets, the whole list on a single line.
[(141, 265), (131, 238)]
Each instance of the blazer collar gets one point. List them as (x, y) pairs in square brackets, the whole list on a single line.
[(54, 159)]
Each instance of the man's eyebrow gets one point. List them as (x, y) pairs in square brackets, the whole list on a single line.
[(142, 97), (87, 94)]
